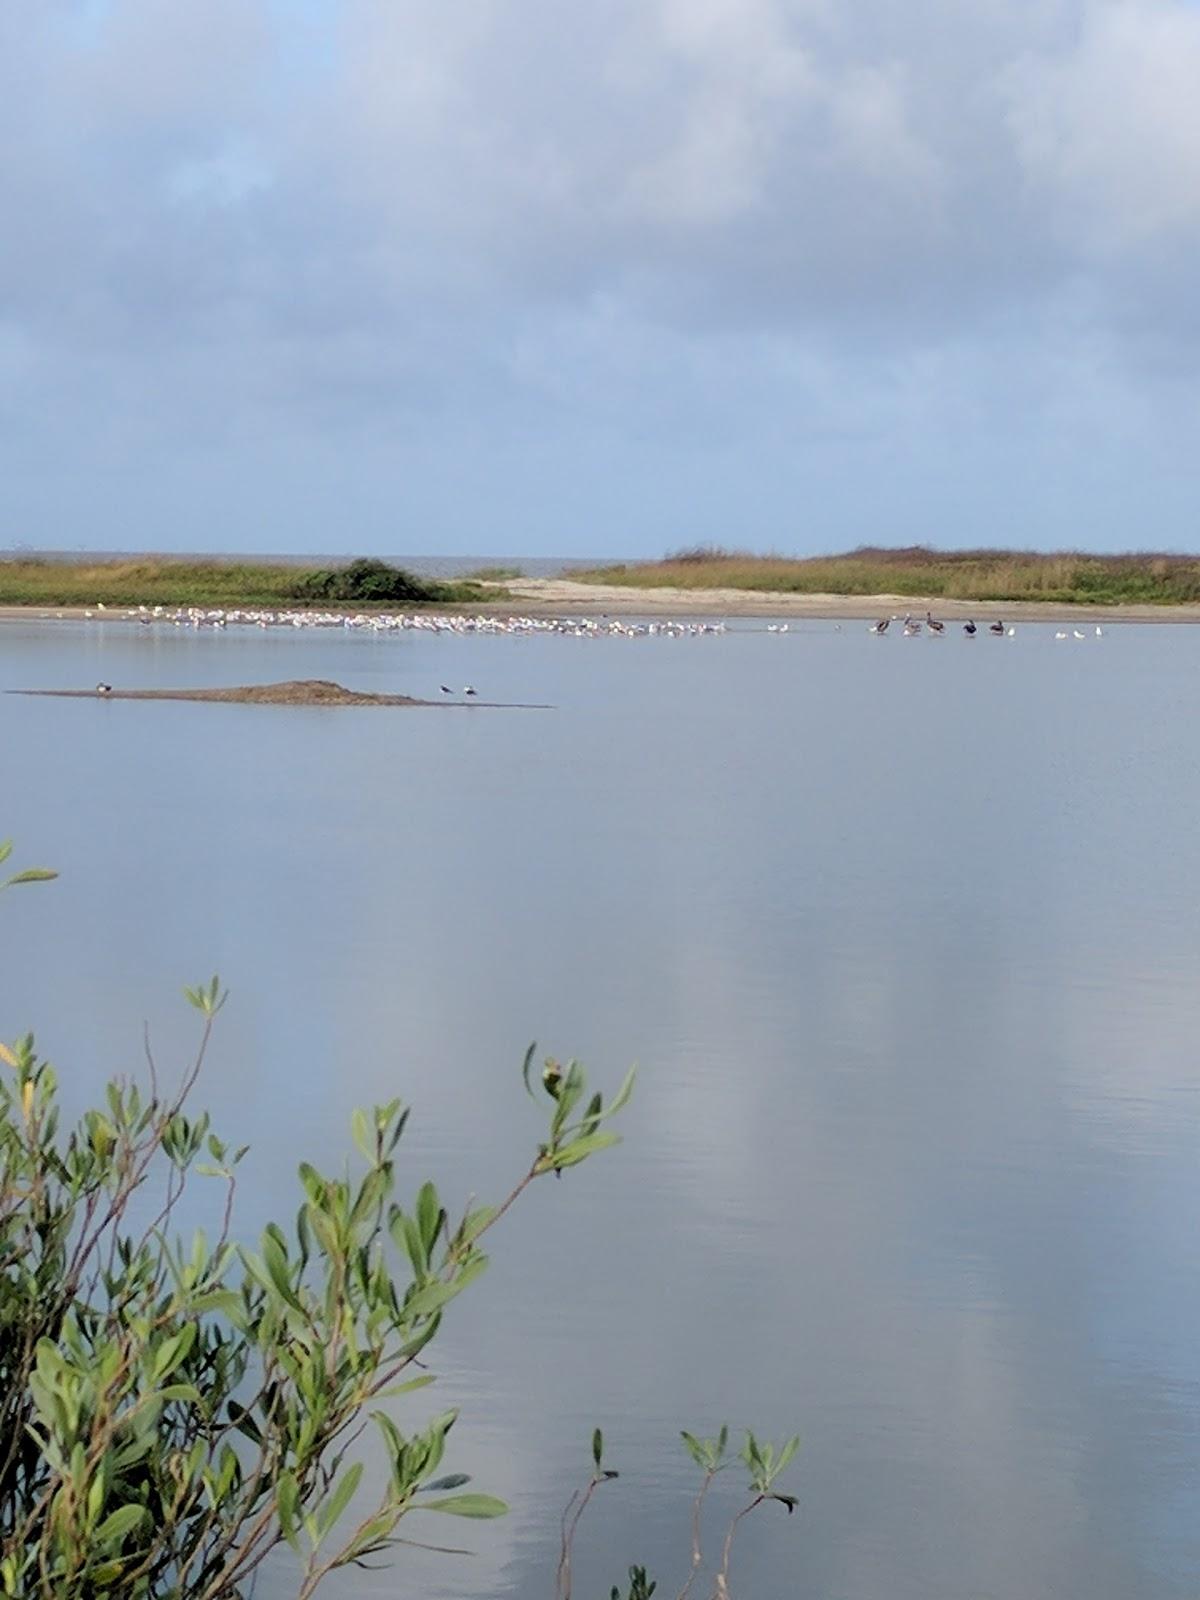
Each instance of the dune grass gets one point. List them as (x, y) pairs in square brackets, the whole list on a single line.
[(1064, 578), (152, 581)]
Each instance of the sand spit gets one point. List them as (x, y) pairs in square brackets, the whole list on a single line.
[(567, 597), (297, 692)]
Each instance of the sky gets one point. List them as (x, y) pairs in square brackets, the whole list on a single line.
[(490, 277)]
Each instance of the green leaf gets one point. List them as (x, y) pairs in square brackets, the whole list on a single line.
[(123, 1521), (468, 1505), (287, 1503), (339, 1499), (394, 1389), (454, 1481), (32, 875), (173, 1350), (360, 1130), (526, 1066), (621, 1098), (429, 1216), (570, 1155)]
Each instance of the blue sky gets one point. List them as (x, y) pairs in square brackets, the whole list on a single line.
[(509, 276)]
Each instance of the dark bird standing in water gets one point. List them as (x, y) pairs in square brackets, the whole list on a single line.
[(969, 629), (934, 627), (997, 628)]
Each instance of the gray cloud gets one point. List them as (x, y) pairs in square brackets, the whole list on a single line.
[(920, 246)]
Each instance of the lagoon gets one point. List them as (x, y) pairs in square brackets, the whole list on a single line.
[(904, 936)]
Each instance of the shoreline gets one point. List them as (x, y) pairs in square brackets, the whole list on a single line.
[(551, 597)]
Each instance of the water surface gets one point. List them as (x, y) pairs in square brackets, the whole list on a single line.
[(904, 936)]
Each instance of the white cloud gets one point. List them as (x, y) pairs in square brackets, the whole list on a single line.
[(1108, 129)]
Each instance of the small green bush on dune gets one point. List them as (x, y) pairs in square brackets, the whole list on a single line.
[(367, 582)]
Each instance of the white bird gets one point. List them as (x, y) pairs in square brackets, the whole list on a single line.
[(1060, 635), (1012, 633), (1099, 631), (1079, 635), (104, 688)]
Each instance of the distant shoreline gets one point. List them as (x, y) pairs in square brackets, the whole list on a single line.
[(550, 597)]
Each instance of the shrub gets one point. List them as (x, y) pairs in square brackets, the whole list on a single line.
[(366, 582)]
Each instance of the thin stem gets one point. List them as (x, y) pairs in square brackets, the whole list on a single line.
[(697, 1557), (722, 1590)]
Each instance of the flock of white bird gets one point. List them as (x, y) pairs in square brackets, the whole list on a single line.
[(571, 627), (394, 622)]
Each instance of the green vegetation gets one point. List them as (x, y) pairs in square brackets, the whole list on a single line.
[(174, 1411), (153, 581), (982, 575)]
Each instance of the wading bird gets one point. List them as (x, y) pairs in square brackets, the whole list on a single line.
[(970, 629), (104, 688), (997, 628), (881, 626), (934, 627)]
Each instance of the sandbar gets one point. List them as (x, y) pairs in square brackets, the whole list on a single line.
[(295, 692)]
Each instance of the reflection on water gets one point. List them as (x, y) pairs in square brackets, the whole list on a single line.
[(904, 935)]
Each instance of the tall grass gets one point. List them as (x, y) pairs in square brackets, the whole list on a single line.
[(1063, 577), (151, 581)]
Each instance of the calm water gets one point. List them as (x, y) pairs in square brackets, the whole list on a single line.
[(905, 937)]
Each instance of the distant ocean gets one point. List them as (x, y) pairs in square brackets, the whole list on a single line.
[(428, 566)]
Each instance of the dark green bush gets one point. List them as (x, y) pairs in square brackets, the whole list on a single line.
[(366, 582)]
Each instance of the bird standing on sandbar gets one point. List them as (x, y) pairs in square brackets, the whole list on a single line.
[(104, 688)]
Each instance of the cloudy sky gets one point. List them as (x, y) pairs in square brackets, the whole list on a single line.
[(608, 277)]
